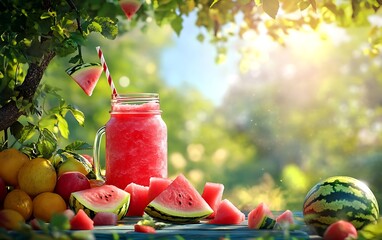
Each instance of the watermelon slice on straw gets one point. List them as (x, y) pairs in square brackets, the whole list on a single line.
[(130, 7), (86, 75)]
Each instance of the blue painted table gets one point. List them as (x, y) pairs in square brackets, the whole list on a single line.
[(125, 230)]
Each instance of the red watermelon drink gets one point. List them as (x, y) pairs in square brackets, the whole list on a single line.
[(136, 141)]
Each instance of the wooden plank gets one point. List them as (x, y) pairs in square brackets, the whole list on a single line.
[(125, 230)]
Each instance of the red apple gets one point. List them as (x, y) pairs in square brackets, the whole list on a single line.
[(340, 230), (3, 191), (69, 182)]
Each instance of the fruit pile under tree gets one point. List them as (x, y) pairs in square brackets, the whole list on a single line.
[(34, 32)]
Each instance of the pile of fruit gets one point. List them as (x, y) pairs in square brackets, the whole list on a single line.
[(38, 188), (34, 191)]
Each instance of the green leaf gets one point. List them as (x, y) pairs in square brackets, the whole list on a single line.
[(78, 145), (62, 125), (95, 27), (47, 122), (48, 14), (16, 129), (107, 27), (77, 114), (75, 59), (82, 235), (177, 25), (355, 4), (304, 5), (371, 231), (27, 132), (200, 37), (47, 143), (59, 222), (271, 7)]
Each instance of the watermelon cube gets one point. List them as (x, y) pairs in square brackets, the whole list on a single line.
[(212, 194), (138, 199), (105, 219), (227, 214), (156, 186)]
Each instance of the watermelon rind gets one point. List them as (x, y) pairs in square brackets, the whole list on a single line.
[(267, 223), (73, 69), (339, 198), (106, 198), (157, 210), (179, 203)]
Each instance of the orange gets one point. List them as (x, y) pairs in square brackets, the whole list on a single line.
[(46, 204), (10, 219), (37, 176), (19, 201), (11, 160)]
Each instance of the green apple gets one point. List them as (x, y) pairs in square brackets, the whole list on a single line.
[(72, 164)]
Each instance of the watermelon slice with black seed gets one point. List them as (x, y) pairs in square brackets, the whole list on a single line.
[(130, 7), (86, 75)]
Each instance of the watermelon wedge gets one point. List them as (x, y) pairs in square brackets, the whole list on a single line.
[(261, 217), (227, 213), (179, 203), (106, 198), (130, 7), (81, 221), (285, 220), (86, 75)]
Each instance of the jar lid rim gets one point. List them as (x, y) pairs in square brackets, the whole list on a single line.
[(137, 94)]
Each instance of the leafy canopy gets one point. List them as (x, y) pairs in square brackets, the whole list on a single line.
[(33, 32)]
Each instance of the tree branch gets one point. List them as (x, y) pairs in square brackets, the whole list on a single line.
[(9, 112)]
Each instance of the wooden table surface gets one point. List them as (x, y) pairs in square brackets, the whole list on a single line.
[(125, 230), (201, 231)]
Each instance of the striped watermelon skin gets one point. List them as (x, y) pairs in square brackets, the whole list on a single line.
[(76, 205), (339, 198), (267, 223), (161, 215)]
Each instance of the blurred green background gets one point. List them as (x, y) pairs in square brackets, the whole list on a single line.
[(288, 118)]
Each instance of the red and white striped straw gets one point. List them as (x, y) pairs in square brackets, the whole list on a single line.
[(106, 70)]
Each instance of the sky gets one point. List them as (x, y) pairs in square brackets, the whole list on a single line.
[(188, 62), (195, 64)]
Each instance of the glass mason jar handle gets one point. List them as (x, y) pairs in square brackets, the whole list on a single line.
[(96, 151)]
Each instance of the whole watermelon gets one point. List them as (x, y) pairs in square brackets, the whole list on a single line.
[(339, 198)]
